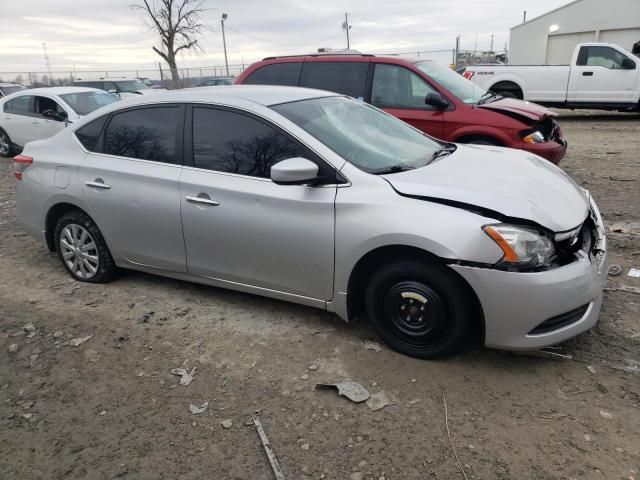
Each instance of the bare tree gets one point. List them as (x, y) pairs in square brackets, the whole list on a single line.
[(178, 24)]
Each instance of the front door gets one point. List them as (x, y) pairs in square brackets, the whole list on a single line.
[(46, 127), (132, 185), (19, 119), (239, 226), (401, 92), (600, 76)]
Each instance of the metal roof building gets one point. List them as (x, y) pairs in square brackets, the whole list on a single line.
[(551, 38)]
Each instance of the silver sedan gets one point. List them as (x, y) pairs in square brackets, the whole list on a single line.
[(326, 201)]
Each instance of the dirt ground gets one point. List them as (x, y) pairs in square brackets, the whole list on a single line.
[(110, 407)]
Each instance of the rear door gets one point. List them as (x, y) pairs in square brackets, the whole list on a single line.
[(239, 226), (130, 180), (401, 92), (18, 119), (341, 76), (600, 76)]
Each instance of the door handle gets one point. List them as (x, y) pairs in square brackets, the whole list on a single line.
[(201, 200), (99, 183), (587, 74)]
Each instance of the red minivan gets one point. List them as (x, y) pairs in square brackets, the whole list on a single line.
[(429, 96)]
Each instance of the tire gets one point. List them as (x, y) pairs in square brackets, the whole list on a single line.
[(483, 141), (6, 146), (507, 94), (437, 303), (82, 249)]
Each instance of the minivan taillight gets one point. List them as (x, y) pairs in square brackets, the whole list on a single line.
[(20, 164)]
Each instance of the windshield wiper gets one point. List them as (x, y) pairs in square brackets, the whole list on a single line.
[(394, 169), (488, 96)]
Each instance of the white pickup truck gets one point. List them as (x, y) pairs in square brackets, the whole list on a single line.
[(601, 76)]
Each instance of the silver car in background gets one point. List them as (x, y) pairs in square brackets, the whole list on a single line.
[(322, 200)]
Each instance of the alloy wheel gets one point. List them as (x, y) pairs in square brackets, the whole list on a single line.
[(79, 251), (5, 145)]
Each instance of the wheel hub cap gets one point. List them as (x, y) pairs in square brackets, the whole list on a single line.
[(79, 251)]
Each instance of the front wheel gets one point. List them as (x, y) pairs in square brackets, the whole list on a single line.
[(423, 310)]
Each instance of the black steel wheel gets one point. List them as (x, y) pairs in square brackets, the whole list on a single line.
[(419, 309), (6, 147)]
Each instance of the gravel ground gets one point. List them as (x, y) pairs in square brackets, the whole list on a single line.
[(110, 407)]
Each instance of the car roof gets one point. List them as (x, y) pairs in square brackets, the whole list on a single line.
[(57, 90), (265, 95)]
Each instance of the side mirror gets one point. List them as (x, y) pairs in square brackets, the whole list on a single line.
[(294, 171), (628, 64), (436, 99), (54, 115)]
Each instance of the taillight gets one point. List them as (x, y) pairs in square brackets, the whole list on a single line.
[(20, 164), (468, 74)]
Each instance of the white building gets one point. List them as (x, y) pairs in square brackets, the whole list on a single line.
[(551, 38)]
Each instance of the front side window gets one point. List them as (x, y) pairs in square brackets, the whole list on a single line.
[(143, 133), (347, 78), (276, 74), (606, 57), (361, 134), (230, 142), (83, 103), (89, 134), (44, 104), (397, 87), (19, 106)]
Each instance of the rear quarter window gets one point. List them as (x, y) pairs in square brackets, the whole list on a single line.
[(90, 133), (287, 74), (347, 78)]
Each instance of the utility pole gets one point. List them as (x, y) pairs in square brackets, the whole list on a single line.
[(46, 59), (491, 48), (346, 28), (524, 17), (224, 42)]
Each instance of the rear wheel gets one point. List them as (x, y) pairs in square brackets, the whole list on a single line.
[(6, 147), (82, 249), (423, 310)]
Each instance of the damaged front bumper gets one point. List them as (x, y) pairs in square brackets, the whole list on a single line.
[(526, 311)]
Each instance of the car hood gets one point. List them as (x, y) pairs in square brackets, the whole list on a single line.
[(151, 91), (511, 183), (519, 108)]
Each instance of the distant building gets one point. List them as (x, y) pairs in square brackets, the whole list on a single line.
[(550, 38)]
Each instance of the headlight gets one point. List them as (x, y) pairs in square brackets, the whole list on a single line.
[(522, 247), (532, 137)]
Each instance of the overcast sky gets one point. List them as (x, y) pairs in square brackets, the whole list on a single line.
[(108, 34)]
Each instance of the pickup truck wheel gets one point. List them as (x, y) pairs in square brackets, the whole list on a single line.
[(419, 309), (508, 90), (6, 147)]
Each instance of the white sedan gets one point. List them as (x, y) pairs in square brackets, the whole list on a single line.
[(39, 113)]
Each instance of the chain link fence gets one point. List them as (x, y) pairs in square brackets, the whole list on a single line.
[(189, 77), (192, 76)]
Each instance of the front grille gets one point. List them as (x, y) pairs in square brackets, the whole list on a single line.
[(559, 321)]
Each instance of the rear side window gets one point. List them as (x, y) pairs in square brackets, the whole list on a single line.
[(89, 134), (20, 105), (276, 74), (231, 142), (143, 133), (348, 78)]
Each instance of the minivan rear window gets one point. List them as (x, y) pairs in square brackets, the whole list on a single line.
[(347, 78), (286, 74)]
